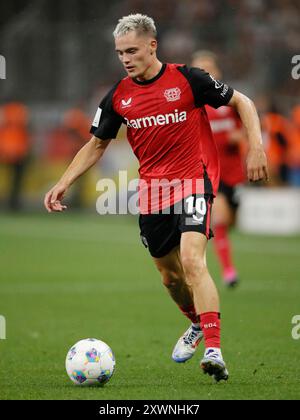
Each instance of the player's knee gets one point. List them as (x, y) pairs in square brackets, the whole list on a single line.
[(171, 279), (193, 266)]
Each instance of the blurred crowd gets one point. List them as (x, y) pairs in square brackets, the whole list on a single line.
[(282, 143), (17, 153), (255, 40)]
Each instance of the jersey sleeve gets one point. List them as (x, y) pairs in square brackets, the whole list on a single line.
[(107, 122), (206, 89)]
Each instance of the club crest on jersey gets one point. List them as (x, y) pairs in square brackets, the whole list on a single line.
[(173, 94), (126, 104)]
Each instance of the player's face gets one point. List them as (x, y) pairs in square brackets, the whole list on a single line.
[(209, 65), (136, 53)]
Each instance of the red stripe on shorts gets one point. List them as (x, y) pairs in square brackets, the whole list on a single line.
[(208, 218)]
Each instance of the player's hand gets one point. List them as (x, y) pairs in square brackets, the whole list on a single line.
[(257, 167), (54, 198)]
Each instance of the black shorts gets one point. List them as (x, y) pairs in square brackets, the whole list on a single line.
[(231, 194), (161, 232)]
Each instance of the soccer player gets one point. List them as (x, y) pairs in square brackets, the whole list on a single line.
[(168, 130), (228, 135)]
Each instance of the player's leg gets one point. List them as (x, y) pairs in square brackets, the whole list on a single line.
[(223, 216), (193, 257), (160, 234), (173, 279)]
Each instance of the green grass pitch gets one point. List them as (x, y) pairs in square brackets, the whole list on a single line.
[(71, 276)]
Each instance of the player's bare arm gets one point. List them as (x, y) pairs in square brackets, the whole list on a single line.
[(257, 169), (87, 156)]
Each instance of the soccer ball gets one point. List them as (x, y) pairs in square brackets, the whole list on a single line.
[(90, 362)]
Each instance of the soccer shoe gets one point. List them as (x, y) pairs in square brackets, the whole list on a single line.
[(214, 365), (187, 345), (230, 278), (232, 283)]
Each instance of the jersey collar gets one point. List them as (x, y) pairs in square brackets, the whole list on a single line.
[(147, 82)]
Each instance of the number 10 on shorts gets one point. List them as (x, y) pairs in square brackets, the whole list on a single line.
[(197, 208)]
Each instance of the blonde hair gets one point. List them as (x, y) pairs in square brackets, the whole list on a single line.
[(142, 24)]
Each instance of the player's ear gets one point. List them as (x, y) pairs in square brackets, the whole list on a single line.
[(153, 46)]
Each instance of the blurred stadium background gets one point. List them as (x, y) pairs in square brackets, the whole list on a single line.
[(60, 274)]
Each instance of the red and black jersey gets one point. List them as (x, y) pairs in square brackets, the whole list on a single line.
[(223, 122), (167, 124)]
